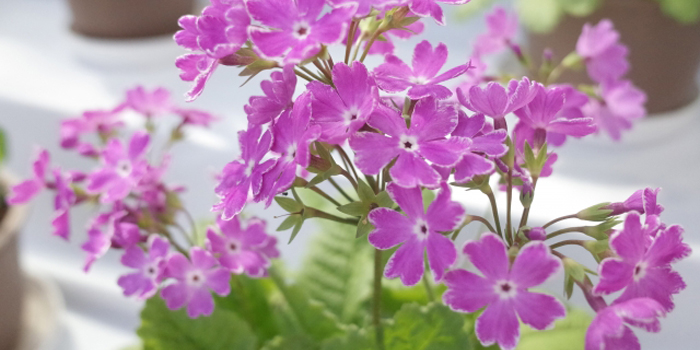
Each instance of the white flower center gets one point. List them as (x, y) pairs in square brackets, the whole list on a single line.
[(419, 80), (505, 289), (233, 246), (150, 271), (421, 229), (195, 278), (249, 169), (291, 152), (351, 114), (301, 30), (124, 168), (409, 143), (640, 271)]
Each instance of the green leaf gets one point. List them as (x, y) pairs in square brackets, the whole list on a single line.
[(290, 222), (539, 15), (249, 299), (353, 339), (568, 334), (337, 271), (580, 8), (383, 200), (291, 342), (354, 209), (428, 197), (432, 327), (162, 329), (365, 192), (296, 229), (683, 11), (364, 227), (3, 146), (288, 204)]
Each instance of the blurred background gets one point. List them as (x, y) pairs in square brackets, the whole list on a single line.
[(61, 57)]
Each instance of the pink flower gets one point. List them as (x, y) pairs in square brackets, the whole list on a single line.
[(622, 104), (343, 110), (422, 80), (293, 29), (122, 170), (503, 289), (543, 120), (150, 267), (292, 135), (606, 59), (363, 7), (194, 280), (107, 230), (608, 329), (425, 8), (383, 47), (278, 91), (245, 175), (643, 270), (240, 249), (418, 231), (412, 147), (102, 122), (495, 101), (26, 190), (65, 198), (502, 28), (484, 142), (220, 31), (149, 103), (197, 68)]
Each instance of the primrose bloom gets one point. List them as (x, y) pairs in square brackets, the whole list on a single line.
[(425, 8), (622, 104), (26, 190), (502, 28), (122, 170), (107, 230), (605, 57), (421, 80), (485, 142), (542, 120), (65, 198), (243, 176), (383, 47), (149, 103), (609, 329), (364, 7), (149, 266), (503, 289), (634, 202), (278, 91), (495, 101), (240, 249), (293, 29), (343, 110), (643, 270), (418, 230), (102, 122), (412, 147), (194, 280)]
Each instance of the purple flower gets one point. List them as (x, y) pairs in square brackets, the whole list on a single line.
[(502, 28), (292, 135), (503, 289), (245, 175), (542, 120), (495, 101), (609, 331), (412, 147), (122, 169), (194, 116), (484, 143), (606, 59), (104, 123), (418, 230), (634, 202), (622, 104), (65, 198), (363, 7), (383, 47), (26, 190), (422, 80), (643, 272), (343, 110), (197, 68), (425, 8), (220, 31), (149, 103), (149, 267), (239, 248), (107, 230), (278, 97), (194, 280), (294, 29), (537, 234)]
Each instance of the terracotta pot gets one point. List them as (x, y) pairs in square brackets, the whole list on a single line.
[(127, 18), (11, 280), (664, 54)]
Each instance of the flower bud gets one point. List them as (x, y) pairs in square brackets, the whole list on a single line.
[(598, 212), (536, 234)]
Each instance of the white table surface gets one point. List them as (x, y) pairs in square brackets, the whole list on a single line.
[(47, 73)]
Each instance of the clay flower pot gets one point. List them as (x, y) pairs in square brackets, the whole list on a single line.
[(664, 54), (11, 278), (125, 19)]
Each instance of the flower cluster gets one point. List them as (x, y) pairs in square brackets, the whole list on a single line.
[(392, 142)]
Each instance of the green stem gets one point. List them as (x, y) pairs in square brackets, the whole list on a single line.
[(314, 75), (509, 201), (340, 190), (494, 211), (428, 288), (349, 162), (469, 219), (302, 75), (567, 242), (561, 218), (351, 39), (316, 213), (526, 210), (372, 39), (565, 230), (377, 299)]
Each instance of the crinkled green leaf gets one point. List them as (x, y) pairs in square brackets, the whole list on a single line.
[(291, 342), (162, 329), (539, 15), (353, 339), (249, 299), (431, 327), (568, 334)]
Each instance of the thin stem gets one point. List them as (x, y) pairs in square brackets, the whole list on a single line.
[(349, 177), (316, 213), (567, 242), (302, 75), (377, 299), (374, 37), (561, 218), (468, 220), (428, 288), (190, 219), (340, 190), (314, 75), (483, 221), (494, 211), (565, 230), (323, 69), (325, 195), (526, 211), (509, 201), (351, 39)]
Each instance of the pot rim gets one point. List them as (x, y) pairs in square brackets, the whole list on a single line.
[(16, 214)]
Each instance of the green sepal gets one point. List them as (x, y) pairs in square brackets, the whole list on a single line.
[(355, 209), (290, 222), (289, 204), (596, 212)]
